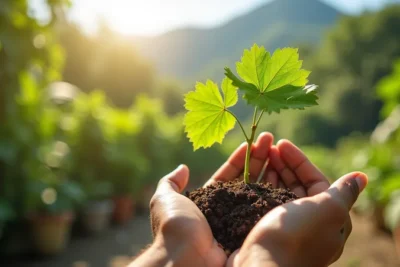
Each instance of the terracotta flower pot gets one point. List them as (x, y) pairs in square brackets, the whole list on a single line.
[(123, 209), (50, 233), (96, 215)]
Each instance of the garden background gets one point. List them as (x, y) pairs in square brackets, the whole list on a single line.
[(90, 121)]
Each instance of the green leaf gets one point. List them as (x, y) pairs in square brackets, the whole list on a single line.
[(230, 93), (287, 97), (284, 68), (273, 83), (238, 83), (253, 66), (207, 120)]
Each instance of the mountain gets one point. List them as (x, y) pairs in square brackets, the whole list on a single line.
[(192, 53)]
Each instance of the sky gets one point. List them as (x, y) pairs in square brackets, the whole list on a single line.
[(152, 17)]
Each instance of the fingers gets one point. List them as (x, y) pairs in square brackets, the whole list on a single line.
[(294, 164), (259, 154), (335, 203), (175, 181), (347, 188), (270, 176), (288, 177), (234, 166)]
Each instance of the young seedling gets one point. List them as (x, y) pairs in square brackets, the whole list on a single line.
[(268, 83)]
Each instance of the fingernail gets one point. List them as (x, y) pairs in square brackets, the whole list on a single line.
[(362, 182)]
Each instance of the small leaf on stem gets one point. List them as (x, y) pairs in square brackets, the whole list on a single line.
[(207, 120), (273, 83)]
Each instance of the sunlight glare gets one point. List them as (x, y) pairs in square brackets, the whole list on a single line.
[(152, 17)]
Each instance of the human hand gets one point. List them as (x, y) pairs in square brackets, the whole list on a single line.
[(310, 231), (182, 233)]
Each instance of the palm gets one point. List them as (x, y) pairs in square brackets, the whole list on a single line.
[(183, 221), (287, 167)]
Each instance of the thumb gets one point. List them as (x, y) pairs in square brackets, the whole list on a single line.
[(347, 188), (175, 181)]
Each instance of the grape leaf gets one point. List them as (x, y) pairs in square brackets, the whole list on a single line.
[(286, 97), (207, 120), (284, 68), (253, 65), (276, 83)]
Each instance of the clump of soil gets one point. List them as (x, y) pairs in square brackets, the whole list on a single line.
[(233, 208)]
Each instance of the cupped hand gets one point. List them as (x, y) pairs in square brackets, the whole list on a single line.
[(290, 168), (179, 226), (233, 168), (310, 231)]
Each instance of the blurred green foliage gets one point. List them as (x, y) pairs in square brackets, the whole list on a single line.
[(30, 59), (377, 155), (352, 58), (60, 145), (107, 61), (123, 130), (389, 90)]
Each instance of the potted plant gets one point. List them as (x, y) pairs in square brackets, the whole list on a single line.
[(126, 184), (269, 83), (88, 162), (125, 167), (53, 214), (98, 207), (51, 198), (157, 130)]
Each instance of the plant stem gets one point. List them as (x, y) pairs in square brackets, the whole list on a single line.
[(249, 145), (255, 116), (240, 124), (259, 118)]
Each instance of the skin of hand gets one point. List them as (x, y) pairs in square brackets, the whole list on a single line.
[(310, 231), (182, 235)]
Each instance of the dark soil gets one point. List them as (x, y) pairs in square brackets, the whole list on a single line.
[(233, 208)]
